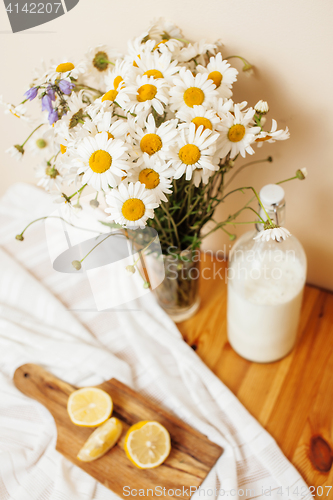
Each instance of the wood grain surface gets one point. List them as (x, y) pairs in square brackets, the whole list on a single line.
[(291, 398), (192, 454)]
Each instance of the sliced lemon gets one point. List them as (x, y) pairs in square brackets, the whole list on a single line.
[(101, 440), (89, 407), (147, 444)]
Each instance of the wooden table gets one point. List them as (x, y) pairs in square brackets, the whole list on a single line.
[(292, 398)]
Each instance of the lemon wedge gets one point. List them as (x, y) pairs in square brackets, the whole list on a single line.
[(101, 440), (89, 407), (147, 444)]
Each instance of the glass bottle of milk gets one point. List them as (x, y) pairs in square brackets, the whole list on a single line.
[(265, 288)]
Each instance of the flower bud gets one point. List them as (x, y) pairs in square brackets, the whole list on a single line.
[(76, 264), (19, 237), (130, 269), (261, 107), (301, 173), (94, 203), (146, 284), (40, 143)]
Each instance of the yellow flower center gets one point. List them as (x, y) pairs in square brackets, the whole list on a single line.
[(64, 67), (133, 209), (134, 63), (162, 41), (200, 120), (150, 143), (189, 154), (154, 73), (146, 92), (217, 78), (236, 133), (193, 97), (149, 178), (63, 149), (100, 161), (110, 96), (117, 81)]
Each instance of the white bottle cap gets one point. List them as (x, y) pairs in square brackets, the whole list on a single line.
[(271, 194)]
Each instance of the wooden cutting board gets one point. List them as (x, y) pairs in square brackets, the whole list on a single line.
[(191, 458)]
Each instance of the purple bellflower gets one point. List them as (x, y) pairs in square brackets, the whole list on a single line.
[(46, 103), (53, 116), (66, 87), (31, 93)]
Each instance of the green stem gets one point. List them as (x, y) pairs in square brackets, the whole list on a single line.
[(246, 63), (172, 222), (56, 217), (77, 192), (112, 234), (39, 126), (81, 87), (287, 180), (269, 159), (107, 61), (256, 195)]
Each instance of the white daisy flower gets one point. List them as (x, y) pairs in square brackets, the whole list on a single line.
[(49, 177), (63, 67), (77, 104), (100, 59), (273, 135), (276, 233), (194, 50), (65, 209), (156, 175), (116, 76), (201, 175), (237, 133), (131, 205), (222, 106), (152, 140), (115, 127), (162, 29), (195, 150), (136, 47), (16, 152), (102, 161), (147, 92), (199, 115), (156, 65), (120, 97), (42, 141), (169, 46), (191, 90), (18, 111), (221, 73)]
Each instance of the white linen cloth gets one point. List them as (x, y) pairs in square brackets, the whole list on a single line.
[(44, 319)]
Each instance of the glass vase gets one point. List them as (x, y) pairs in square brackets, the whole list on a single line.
[(174, 280)]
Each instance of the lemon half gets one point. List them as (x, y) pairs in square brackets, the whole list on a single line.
[(101, 440), (89, 407), (147, 444)]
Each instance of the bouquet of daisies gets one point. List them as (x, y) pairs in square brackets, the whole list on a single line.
[(153, 132)]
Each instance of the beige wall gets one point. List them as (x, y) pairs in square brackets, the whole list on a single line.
[(290, 42)]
